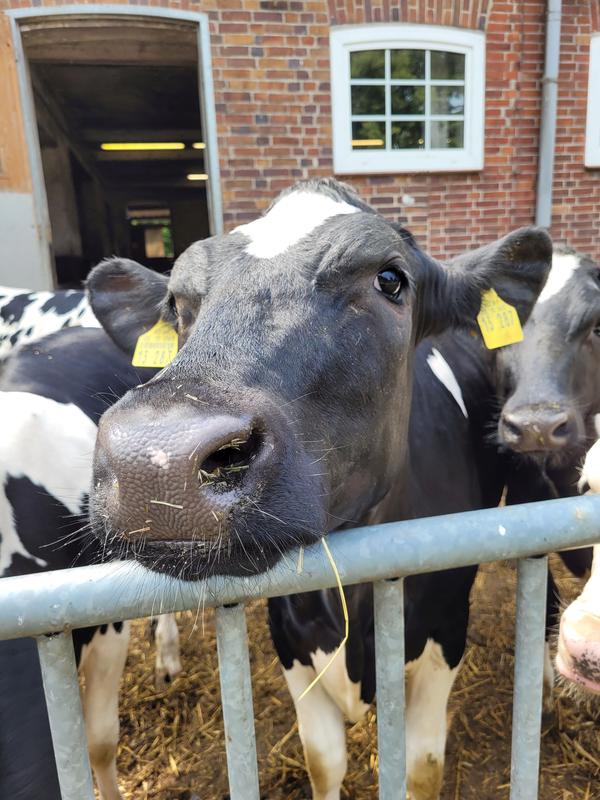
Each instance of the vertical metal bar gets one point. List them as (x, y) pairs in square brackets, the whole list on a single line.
[(61, 687), (388, 601), (236, 699), (532, 574), (209, 126)]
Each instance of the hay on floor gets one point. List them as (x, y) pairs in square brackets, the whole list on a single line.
[(172, 741)]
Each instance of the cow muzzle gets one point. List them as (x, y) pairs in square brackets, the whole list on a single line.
[(202, 486), (578, 653), (531, 429)]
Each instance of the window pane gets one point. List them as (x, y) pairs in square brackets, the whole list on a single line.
[(368, 99), (368, 135), (447, 100), (408, 135), (367, 64), (447, 134), (408, 99), (447, 66), (408, 64)]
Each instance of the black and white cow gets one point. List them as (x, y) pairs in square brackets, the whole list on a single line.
[(52, 393), (551, 389), (552, 381), (27, 316), (286, 414)]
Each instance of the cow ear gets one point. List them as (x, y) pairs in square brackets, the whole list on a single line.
[(516, 266), (126, 298)]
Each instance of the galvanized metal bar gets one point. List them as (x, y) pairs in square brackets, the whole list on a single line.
[(388, 603), (61, 687), (529, 673), (236, 699), (85, 596)]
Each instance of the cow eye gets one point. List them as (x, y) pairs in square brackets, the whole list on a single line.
[(596, 330), (391, 281)]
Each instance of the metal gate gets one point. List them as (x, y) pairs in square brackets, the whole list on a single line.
[(56, 602)]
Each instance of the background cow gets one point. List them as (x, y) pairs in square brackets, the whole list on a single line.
[(286, 414), (53, 392), (578, 652), (28, 316), (550, 386), (31, 316)]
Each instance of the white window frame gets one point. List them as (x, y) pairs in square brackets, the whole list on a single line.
[(592, 125), (349, 38)]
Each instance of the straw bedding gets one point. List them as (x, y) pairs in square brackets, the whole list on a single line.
[(172, 741)]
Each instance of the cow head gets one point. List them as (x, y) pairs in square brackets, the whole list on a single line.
[(285, 412), (552, 378)]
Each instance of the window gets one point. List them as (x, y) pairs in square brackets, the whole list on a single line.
[(407, 98), (592, 128)]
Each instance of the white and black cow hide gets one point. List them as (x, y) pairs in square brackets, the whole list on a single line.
[(27, 316), (52, 393)]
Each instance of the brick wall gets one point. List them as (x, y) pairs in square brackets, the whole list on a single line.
[(271, 75)]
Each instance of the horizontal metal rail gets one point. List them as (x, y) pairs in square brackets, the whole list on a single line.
[(57, 602), (66, 599)]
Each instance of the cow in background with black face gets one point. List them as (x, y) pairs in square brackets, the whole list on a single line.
[(550, 385), (285, 413)]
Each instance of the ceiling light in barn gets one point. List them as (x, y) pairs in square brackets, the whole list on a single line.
[(142, 146), (367, 142), (198, 145), (197, 176)]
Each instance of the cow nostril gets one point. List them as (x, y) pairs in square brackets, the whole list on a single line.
[(226, 466), (511, 428), (561, 431)]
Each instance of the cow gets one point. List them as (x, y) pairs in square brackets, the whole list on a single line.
[(578, 649), (550, 392), (285, 414), (52, 392), (27, 316)]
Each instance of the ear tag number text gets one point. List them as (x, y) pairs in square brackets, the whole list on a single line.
[(157, 347), (498, 321)]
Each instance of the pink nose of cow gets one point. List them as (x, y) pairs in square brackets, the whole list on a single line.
[(578, 656), (177, 476), (531, 430)]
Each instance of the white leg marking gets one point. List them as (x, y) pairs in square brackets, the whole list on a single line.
[(336, 681), (168, 659), (51, 444), (102, 665), (429, 680), (442, 371), (291, 218), (322, 731)]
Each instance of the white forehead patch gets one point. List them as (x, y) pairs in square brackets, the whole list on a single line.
[(442, 371), (291, 218), (563, 266)]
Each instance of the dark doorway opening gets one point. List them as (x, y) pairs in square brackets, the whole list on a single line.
[(121, 136)]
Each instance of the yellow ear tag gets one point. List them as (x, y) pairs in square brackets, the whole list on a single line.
[(157, 347), (499, 321)]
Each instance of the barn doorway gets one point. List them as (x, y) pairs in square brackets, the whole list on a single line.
[(122, 138)]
